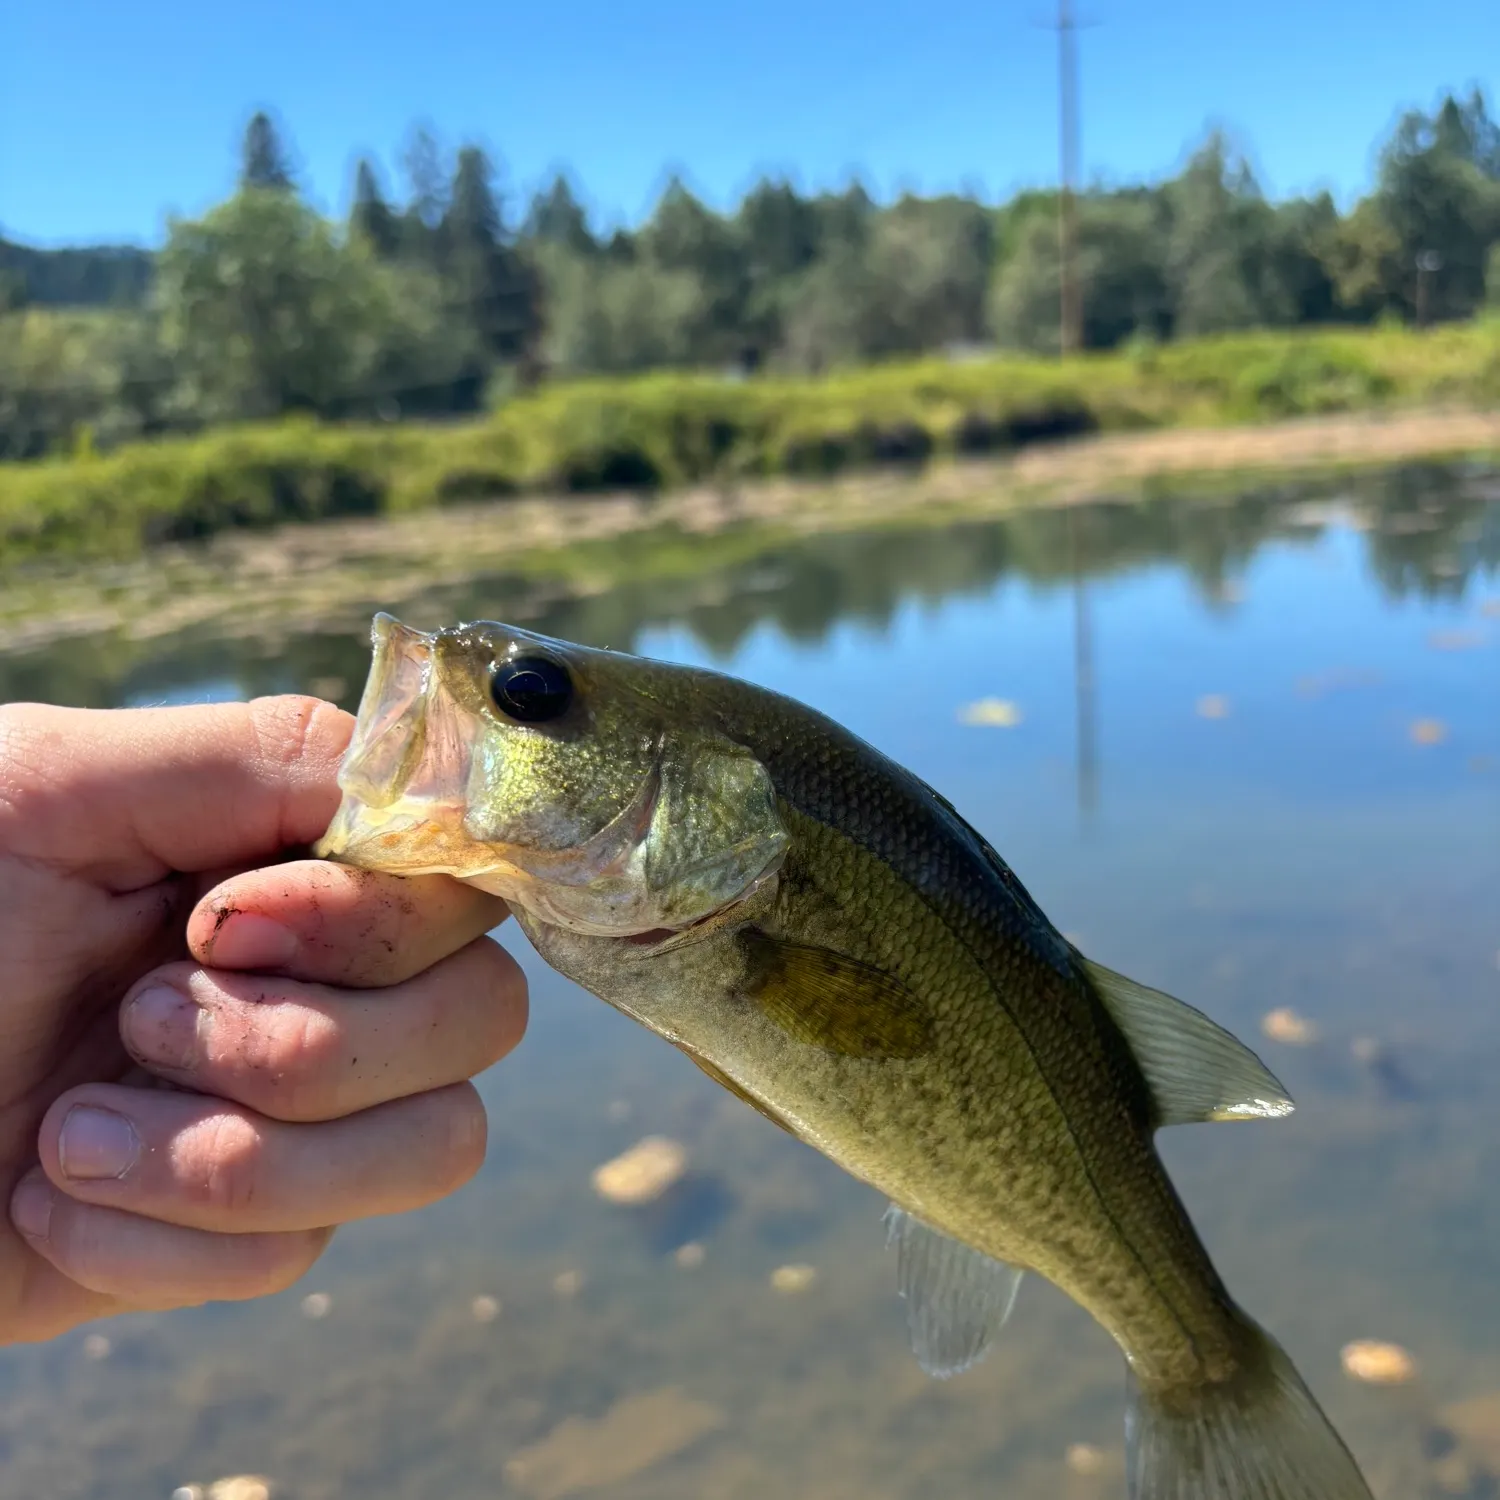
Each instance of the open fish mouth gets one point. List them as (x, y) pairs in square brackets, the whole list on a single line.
[(405, 774)]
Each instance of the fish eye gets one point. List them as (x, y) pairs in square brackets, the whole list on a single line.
[(532, 689)]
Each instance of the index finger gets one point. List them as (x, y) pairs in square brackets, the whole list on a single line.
[(315, 921), (127, 795)]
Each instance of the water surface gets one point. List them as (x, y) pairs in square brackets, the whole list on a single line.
[(1214, 785)]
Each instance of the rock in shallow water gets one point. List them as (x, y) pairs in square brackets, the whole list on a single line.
[(636, 1433), (643, 1173), (1378, 1363)]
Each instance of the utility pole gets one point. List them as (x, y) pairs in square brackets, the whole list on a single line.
[(1071, 327)]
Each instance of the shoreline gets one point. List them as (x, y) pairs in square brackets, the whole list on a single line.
[(312, 571)]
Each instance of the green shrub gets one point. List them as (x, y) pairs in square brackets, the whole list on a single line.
[(658, 431)]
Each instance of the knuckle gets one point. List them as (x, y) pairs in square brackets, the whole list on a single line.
[(290, 727), (289, 1062), (218, 1165)]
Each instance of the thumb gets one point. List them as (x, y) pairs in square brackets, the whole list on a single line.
[(123, 796)]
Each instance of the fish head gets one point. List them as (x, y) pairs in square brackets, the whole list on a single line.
[(588, 788)]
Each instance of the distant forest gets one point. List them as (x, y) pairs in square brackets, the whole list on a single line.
[(442, 297)]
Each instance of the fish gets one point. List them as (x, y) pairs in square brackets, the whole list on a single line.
[(827, 938)]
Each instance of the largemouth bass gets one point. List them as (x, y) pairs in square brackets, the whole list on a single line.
[(828, 939)]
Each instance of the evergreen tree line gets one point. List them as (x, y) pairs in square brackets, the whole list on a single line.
[(438, 300)]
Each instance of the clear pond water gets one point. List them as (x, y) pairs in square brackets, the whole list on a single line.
[(1248, 751)]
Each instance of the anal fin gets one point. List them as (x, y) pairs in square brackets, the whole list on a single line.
[(957, 1299)]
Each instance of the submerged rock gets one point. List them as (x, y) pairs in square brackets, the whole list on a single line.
[(793, 1278), (241, 1487), (1285, 1025), (990, 713), (1377, 1363), (1085, 1458), (643, 1173), (635, 1434)]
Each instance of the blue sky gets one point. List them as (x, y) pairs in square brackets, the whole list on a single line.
[(114, 115)]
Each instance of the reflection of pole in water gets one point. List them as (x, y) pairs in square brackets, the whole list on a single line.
[(1083, 672)]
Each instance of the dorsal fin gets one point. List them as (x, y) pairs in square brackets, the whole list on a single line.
[(1194, 1068)]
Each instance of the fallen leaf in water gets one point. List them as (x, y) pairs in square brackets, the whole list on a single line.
[(1429, 732), (994, 713), (642, 1173), (1455, 640), (1213, 706), (1377, 1363), (634, 1435), (793, 1278), (1285, 1025)]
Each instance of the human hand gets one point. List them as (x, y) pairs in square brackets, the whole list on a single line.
[(210, 1059)]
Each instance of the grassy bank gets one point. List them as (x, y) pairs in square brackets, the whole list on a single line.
[(666, 431)]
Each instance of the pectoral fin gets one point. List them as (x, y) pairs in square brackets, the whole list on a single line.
[(1195, 1069), (832, 1001), (957, 1299)]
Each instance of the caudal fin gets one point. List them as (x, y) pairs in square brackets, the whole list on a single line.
[(1257, 1436)]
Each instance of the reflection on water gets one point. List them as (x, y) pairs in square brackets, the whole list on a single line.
[(1232, 688)]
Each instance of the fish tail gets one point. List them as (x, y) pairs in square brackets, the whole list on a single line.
[(1258, 1435)]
